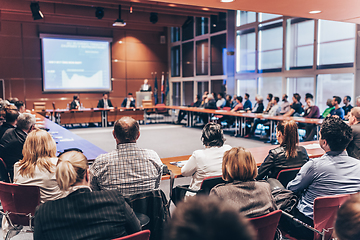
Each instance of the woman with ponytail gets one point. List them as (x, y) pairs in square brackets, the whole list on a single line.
[(83, 214), (287, 155), (37, 168)]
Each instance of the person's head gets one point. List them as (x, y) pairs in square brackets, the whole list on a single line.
[(72, 169), (336, 100), (76, 97), (275, 100), (146, 81), (197, 97), (20, 105), (11, 115), (347, 100), (105, 96), (259, 98), (287, 135), (358, 101), (239, 99), (207, 217), (212, 135), (329, 103), (238, 164), (210, 96), (296, 97), (220, 95), (347, 224), (269, 97), (126, 130), (38, 148), (26, 122), (247, 96), (308, 95), (334, 134), (284, 98), (130, 95), (228, 98), (354, 116), (310, 102)]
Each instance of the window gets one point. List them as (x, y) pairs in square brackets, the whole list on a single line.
[(267, 16), (202, 57), (247, 86), (188, 59), (202, 87), (270, 85), (301, 86), (218, 86), (218, 54), (336, 44), (243, 17), (270, 47), (245, 50), (175, 34), (188, 29), (188, 93), (175, 61), (218, 22), (329, 85), (176, 93), (300, 43), (202, 26)]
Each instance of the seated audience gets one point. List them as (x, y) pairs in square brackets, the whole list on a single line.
[(353, 148), (11, 115), (287, 155), (347, 225), (129, 101), (11, 144), (338, 111), (206, 162), (285, 106), (251, 198), (204, 98), (83, 214), (269, 97), (328, 109), (37, 168), (129, 169), (347, 105), (209, 218), (296, 107), (182, 113), (311, 111), (258, 106), (210, 103), (105, 102), (20, 105), (233, 102), (220, 103), (239, 106), (247, 104), (333, 173), (75, 104), (228, 101)]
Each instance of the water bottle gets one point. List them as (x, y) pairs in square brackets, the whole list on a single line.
[(67, 107)]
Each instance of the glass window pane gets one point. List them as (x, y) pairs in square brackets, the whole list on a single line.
[(202, 57), (336, 42), (175, 34), (329, 85), (300, 43), (218, 22), (202, 87), (218, 86), (301, 86), (247, 86), (218, 54), (188, 93), (267, 16), (175, 61), (202, 26), (188, 59), (270, 85), (245, 50), (188, 29), (176, 93), (244, 17), (270, 51)]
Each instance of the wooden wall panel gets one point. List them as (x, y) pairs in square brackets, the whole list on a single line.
[(11, 68), (18, 88), (10, 47)]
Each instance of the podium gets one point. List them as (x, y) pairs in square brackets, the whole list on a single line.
[(140, 96)]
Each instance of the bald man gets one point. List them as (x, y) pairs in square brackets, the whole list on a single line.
[(353, 148)]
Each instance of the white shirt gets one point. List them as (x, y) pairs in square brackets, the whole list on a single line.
[(275, 110), (128, 102), (46, 181), (204, 163)]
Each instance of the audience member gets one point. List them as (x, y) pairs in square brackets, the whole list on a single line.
[(215, 96), (210, 103), (311, 111), (182, 113), (233, 102), (206, 162), (129, 101), (11, 115), (333, 173), (288, 155), (209, 218), (347, 225), (220, 103), (347, 105), (328, 109), (296, 107), (353, 148), (251, 198), (83, 214), (269, 105), (228, 101), (239, 105), (337, 109), (258, 106), (20, 105), (75, 104), (145, 87), (204, 98), (37, 168), (247, 104), (128, 169), (105, 102), (285, 106), (11, 144)]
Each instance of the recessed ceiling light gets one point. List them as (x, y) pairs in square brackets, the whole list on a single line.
[(120, 41), (172, 5), (314, 12), (205, 9), (226, 0)]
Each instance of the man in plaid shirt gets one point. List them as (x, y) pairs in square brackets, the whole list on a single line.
[(128, 168)]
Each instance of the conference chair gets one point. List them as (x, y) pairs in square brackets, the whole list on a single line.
[(19, 203), (325, 209), (142, 235), (161, 111), (266, 226), (286, 175)]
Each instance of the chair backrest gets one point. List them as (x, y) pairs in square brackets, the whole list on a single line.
[(4, 173), (265, 226), (147, 103), (286, 175), (142, 235), (19, 200), (325, 209), (227, 108), (161, 110), (39, 106), (209, 182)]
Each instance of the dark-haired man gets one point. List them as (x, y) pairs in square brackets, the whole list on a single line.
[(129, 101), (11, 115), (285, 106), (269, 105), (104, 102), (75, 104), (337, 110), (333, 173), (128, 168), (247, 103), (296, 107), (347, 107)]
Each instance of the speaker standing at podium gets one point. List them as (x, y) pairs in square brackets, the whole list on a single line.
[(145, 87)]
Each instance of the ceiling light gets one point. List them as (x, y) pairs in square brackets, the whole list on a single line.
[(35, 10), (99, 12), (131, 8), (314, 12), (119, 22), (172, 5), (226, 1), (153, 17), (120, 41), (205, 9)]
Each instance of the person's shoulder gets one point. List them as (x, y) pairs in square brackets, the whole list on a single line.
[(104, 157), (277, 150)]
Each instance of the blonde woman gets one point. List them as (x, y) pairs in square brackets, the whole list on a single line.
[(37, 168), (83, 214)]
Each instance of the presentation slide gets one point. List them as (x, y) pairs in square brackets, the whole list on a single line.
[(76, 65)]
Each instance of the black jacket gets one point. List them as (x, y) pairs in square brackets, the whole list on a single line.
[(132, 103), (211, 104), (276, 161), (353, 149), (101, 103), (5, 127)]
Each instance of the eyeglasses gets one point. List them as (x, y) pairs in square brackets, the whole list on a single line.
[(69, 150)]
